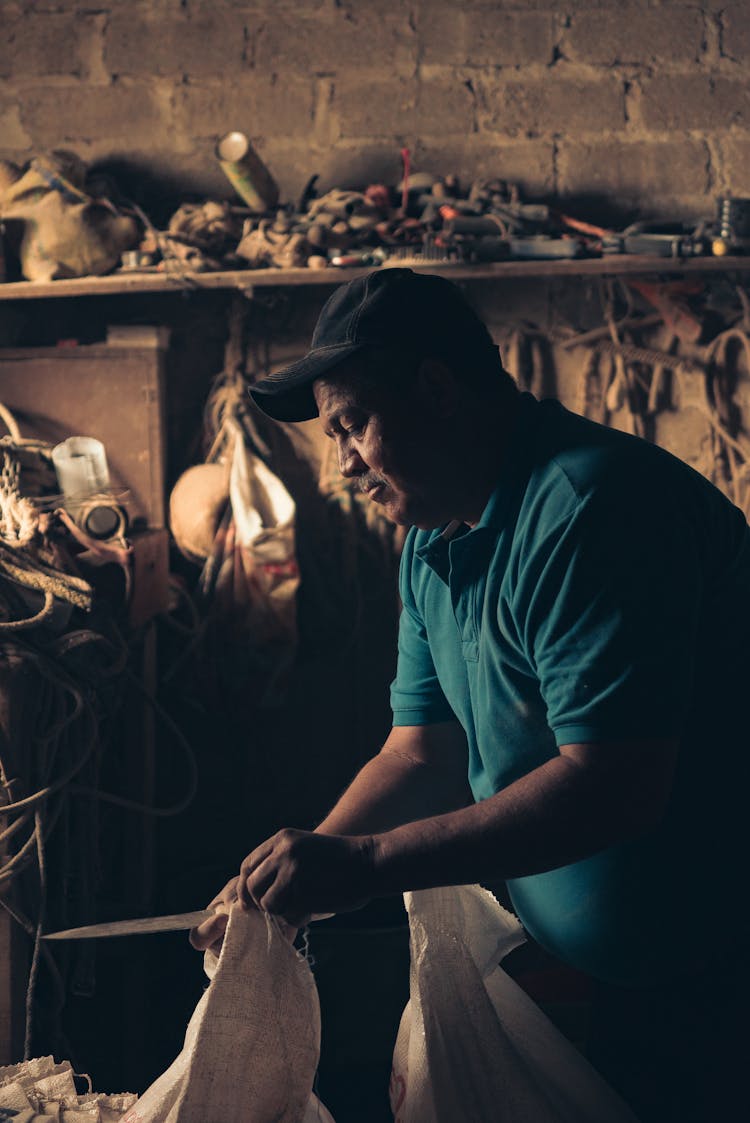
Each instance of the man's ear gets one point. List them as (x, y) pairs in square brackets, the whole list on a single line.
[(440, 390)]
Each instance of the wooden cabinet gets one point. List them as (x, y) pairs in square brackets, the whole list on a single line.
[(113, 392)]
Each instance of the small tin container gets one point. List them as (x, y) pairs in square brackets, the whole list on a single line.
[(246, 172), (734, 223)]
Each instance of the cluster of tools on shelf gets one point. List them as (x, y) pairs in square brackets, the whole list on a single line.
[(424, 219), (58, 221)]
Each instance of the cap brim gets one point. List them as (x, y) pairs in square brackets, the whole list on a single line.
[(287, 395)]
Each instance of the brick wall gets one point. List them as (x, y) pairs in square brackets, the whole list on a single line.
[(615, 105)]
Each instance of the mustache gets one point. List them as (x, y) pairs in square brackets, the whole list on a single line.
[(368, 481)]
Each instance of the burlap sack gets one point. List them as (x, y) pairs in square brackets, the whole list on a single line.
[(62, 232), (42, 1089), (472, 1045), (252, 1045)]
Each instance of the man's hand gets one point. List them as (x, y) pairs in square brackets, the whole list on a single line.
[(421, 771), (210, 933), (296, 874)]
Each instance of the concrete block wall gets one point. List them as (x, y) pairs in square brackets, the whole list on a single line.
[(615, 107)]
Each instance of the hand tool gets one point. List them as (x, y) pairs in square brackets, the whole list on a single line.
[(173, 923)]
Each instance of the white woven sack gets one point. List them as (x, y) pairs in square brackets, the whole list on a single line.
[(262, 507), (472, 1047), (252, 1045)]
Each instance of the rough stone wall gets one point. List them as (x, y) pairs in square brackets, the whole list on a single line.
[(617, 105)]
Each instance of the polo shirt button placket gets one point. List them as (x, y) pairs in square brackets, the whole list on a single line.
[(463, 598)]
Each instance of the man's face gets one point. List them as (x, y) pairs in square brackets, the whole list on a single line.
[(384, 444)]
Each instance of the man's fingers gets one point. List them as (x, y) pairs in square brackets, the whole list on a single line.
[(247, 896), (210, 932), (259, 883)]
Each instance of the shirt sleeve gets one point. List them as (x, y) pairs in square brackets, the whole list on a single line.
[(416, 695), (612, 601)]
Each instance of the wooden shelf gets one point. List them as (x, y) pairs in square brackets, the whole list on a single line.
[(247, 280)]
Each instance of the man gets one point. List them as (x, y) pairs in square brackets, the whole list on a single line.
[(568, 705)]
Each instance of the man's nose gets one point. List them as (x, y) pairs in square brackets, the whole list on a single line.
[(350, 462)]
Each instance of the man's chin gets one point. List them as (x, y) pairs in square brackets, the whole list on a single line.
[(391, 505), (405, 514)]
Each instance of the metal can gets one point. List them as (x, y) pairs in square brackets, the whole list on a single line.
[(246, 172), (734, 223)]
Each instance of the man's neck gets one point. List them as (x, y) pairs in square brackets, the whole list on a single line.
[(489, 452)]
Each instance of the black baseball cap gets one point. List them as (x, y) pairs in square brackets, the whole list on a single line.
[(420, 312)]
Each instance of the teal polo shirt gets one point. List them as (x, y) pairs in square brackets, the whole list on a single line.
[(603, 595)]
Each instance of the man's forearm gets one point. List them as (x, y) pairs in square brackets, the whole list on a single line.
[(395, 788), (589, 797), (556, 815)]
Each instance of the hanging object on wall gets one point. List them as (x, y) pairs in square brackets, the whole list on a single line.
[(196, 508), (234, 515), (251, 577)]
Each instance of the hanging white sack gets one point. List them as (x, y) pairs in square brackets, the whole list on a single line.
[(252, 1045), (472, 1047), (251, 580)]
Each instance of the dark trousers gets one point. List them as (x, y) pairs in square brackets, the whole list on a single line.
[(678, 1052)]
